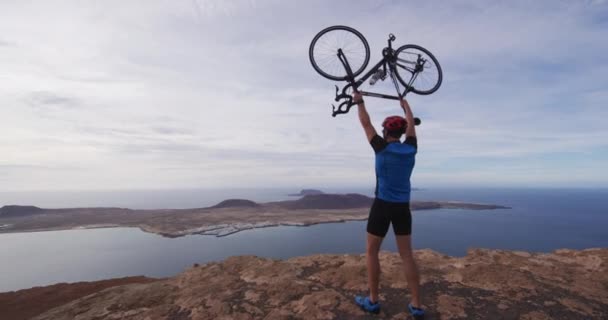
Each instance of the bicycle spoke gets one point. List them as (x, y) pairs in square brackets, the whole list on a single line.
[(328, 63), (324, 52), (410, 70), (406, 61), (423, 72), (326, 47), (422, 82)]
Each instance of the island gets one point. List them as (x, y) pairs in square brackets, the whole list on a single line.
[(222, 219), (306, 192), (485, 284)]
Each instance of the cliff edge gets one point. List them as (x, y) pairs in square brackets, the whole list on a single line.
[(485, 284)]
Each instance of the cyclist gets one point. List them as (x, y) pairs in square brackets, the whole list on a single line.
[(394, 165)]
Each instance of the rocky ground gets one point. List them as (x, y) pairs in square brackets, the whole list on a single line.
[(24, 304), (486, 284)]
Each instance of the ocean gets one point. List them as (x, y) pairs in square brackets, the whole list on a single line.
[(541, 220)]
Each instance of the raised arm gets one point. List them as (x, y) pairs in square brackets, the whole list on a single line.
[(370, 132), (410, 131)]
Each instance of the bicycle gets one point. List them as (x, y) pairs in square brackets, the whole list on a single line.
[(328, 55)]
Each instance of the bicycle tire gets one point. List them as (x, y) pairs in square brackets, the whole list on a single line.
[(436, 63), (327, 74)]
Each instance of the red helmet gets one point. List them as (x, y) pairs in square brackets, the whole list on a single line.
[(394, 123)]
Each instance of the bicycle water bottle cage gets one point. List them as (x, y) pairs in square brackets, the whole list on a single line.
[(379, 75)]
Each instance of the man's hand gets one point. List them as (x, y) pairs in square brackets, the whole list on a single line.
[(357, 97), (410, 130), (406, 107)]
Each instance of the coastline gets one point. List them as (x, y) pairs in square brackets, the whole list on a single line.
[(214, 221)]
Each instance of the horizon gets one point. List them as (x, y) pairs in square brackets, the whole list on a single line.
[(195, 197), (326, 188), (98, 99)]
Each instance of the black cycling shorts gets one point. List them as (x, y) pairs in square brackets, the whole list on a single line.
[(383, 213)]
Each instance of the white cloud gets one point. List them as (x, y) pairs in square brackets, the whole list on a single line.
[(199, 93)]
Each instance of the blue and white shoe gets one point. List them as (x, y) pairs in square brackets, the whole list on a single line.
[(417, 313), (366, 304)]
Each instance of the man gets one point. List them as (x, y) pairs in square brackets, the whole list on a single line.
[(394, 165)]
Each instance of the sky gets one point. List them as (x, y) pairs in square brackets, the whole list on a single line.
[(164, 94)]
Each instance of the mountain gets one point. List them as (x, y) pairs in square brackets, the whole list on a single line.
[(328, 201), (19, 211), (235, 203), (306, 192)]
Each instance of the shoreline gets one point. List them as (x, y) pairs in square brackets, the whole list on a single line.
[(229, 228), (165, 235), (225, 218)]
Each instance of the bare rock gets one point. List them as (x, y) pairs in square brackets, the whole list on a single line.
[(486, 284), (24, 304)]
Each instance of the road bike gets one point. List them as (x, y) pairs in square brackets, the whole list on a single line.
[(338, 50)]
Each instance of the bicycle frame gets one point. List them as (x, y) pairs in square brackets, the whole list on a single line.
[(388, 59)]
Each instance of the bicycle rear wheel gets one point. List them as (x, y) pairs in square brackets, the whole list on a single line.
[(428, 79), (323, 52)]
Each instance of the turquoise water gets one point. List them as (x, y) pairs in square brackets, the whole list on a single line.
[(541, 220)]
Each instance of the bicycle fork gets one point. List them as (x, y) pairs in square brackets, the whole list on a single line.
[(345, 106)]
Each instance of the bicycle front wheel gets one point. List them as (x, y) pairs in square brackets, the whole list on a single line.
[(428, 77), (323, 52)]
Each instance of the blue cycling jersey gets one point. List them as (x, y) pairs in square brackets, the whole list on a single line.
[(394, 165)]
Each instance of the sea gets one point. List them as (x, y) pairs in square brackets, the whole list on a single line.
[(540, 220)]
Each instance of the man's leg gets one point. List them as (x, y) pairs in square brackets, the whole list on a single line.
[(404, 244), (373, 265)]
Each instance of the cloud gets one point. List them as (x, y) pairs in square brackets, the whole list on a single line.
[(42, 99), (206, 93), (4, 43)]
